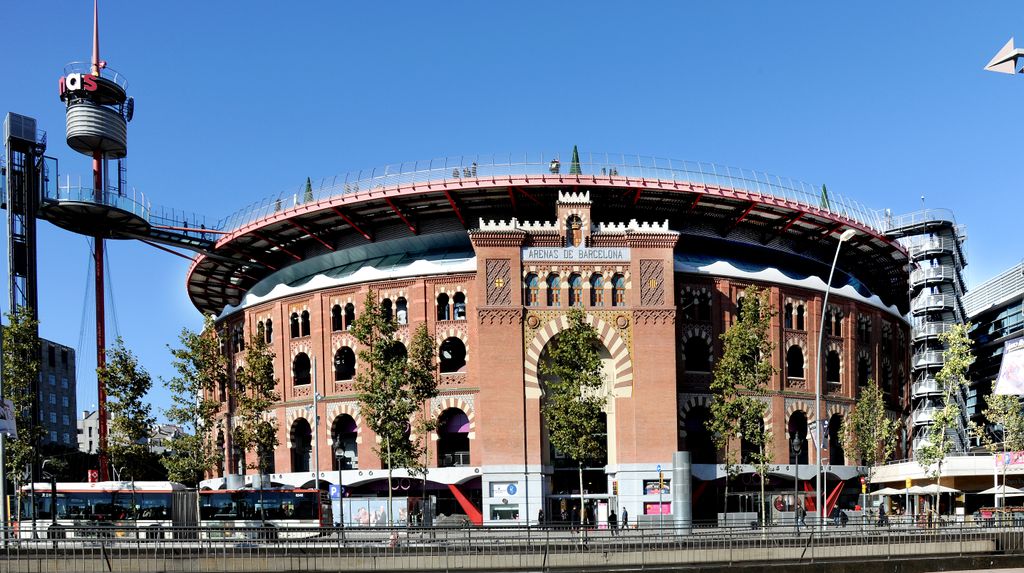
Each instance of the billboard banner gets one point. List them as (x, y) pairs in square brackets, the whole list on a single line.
[(8, 422), (1011, 371)]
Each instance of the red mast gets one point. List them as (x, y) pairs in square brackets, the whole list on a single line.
[(101, 326)]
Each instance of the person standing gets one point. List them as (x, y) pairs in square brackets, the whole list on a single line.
[(625, 518)]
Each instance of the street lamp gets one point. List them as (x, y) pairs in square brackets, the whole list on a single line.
[(847, 234), (794, 450)]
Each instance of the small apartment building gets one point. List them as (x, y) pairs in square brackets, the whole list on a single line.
[(57, 391)]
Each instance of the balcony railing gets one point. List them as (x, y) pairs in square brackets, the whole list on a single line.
[(931, 330), (924, 415), (925, 386), (929, 358), (556, 167), (932, 246), (931, 274), (933, 302)]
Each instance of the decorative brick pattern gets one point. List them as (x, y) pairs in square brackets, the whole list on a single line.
[(499, 285), (652, 282)]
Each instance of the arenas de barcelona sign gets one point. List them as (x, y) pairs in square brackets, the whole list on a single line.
[(576, 254)]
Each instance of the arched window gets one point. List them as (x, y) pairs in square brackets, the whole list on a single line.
[(618, 290), (596, 290), (386, 310), (453, 355), (798, 428), (300, 369), (302, 442), (452, 439), (748, 449), (828, 322), (795, 362), (573, 231), (344, 364), (832, 367), (443, 310), (350, 315), (344, 432), (699, 441), (402, 310), (704, 305), (532, 288), (575, 290), (459, 305), (269, 331), (835, 444), (863, 371), (837, 324), (554, 291), (336, 322), (261, 330), (295, 325), (697, 355), (800, 317), (397, 351), (886, 376), (688, 302), (787, 315), (305, 323)]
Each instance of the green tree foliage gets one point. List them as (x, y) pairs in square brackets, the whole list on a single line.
[(307, 196), (574, 166), (952, 379), (131, 417), (742, 372), (392, 387), (201, 370), (574, 397), (1004, 411), (868, 434), (254, 393), (21, 371)]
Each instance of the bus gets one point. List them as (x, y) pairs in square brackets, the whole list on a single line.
[(263, 513), (109, 508)]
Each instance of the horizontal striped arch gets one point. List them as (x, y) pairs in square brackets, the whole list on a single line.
[(833, 408), (792, 406), (335, 409), (688, 402), (445, 402), (617, 348)]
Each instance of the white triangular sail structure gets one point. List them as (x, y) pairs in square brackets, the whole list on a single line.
[(1005, 61)]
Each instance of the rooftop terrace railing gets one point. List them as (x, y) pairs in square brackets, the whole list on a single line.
[(553, 166)]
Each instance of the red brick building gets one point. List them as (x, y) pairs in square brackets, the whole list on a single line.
[(490, 256)]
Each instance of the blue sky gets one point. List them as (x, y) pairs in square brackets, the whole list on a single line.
[(882, 101)]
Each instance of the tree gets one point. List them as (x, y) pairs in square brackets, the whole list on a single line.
[(573, 397), (952, 379), (744, 370), (202, 370), (1004, 412), (307, 196), (254, 394), (868, 433), (574, 166), (392, 387), (21, 372), (131, 416)]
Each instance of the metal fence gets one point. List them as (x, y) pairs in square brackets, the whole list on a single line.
[(466, 549)]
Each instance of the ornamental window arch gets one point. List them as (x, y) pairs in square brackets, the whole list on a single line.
[(794, 314), (697, 349), (695, 302)]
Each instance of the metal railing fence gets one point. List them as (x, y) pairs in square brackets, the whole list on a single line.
[(254, 550), (554, 168)]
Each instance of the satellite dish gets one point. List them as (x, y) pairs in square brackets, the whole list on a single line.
[(129, 109)]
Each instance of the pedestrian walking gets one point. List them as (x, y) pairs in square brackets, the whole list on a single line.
[(613, 522), (625, 518)]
